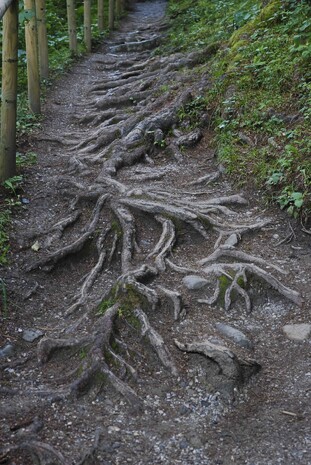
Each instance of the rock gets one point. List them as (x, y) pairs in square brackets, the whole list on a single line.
[(194, 282), (7, 350), (184, 410), (232, 240), (190, 139), (235, 335), (158, 136), (184, 444), (297, 332), (30, 335)]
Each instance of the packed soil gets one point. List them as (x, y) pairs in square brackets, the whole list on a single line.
[(152, 306)]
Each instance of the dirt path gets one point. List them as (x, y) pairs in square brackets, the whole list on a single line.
[(156, 294)]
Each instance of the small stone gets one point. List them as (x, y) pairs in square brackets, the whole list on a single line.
[(158, 136), (183, 444), (297, 332), (232, 240), (31, 335), (7, 350), (235, 335), (184, 410), (194, 282), (113, 429)]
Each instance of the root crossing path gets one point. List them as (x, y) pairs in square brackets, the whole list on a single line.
[(156, 314)]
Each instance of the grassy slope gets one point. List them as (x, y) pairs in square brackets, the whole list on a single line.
[(260, 96)]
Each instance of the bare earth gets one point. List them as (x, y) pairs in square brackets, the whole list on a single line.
[(128, 363)]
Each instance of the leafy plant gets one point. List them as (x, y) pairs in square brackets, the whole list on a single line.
[(12, 184), (26, 159), (292, 202)]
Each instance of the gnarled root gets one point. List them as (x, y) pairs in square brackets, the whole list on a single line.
[(94, 365), (237, 273), (156, 342), (77, 245), (176, 300), (232, 371), (40, 452), (165, 243)]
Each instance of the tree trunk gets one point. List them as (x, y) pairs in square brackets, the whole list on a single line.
[(87, 25), (111, 14), (100, 14), (42, 39), (9, 93), (32, 59), (118, 8), (72, 26)]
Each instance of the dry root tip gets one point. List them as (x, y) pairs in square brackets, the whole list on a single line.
[(156, 342), (176, 300)]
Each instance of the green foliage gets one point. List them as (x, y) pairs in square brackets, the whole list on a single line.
[(200, 23), (83, 353), (260, 94), (25, 159), (12, 184), (191, 112), (104, 306)]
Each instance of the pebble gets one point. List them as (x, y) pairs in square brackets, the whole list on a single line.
[(194, 282), (235, 335), (297, 332), (30, 335), (232, 240), (7, 350)]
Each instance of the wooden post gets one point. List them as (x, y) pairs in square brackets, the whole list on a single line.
[(118, 8), (42, 39), (72, 26), (100, 15), (111, 14), (9, 93), (87, 25), (32, 58)]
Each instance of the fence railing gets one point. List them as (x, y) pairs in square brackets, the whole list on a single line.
[(37, 61)]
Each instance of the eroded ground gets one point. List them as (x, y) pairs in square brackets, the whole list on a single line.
[(157, 292)]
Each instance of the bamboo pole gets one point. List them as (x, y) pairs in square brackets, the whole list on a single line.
[(4, 5), (100, 15), (111, 14), (42, 39), (9, 92), (118, 8), (32, 58), (72, 26), (87, 25)]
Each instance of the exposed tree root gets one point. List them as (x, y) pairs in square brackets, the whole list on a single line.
[(134, 116), (230, 367), (229, 251), (77, 245), (94, 365), (165, 244), (40, 452), (90, 457), (176, 299), (236, 272), (156, 342)]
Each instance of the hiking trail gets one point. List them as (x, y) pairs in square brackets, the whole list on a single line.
[(160, 316)]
